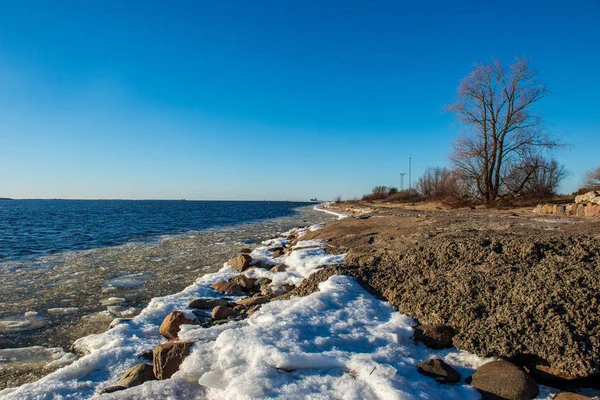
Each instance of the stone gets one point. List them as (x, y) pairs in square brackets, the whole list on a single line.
[(253, 301), (260, 264), (240, 262), (434, 336), (592, 210), (503, 380), (554, 208), (570, 209), (537, 209), (172, 322), (277, 253), (207, 304), (589, 197), (112, 389), (168, 357), (560, 209), (244, 282), (571, 396), (580, 212), (439, 370), (228, 288), (221, 312), (279, 268), (246, 250), (137, 375)]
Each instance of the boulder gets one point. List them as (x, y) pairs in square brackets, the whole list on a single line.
[(253, 301), (503, 380), (580, 211), (589, 197), (279, 268), (240, 262), (439, 370), (570, 209), (434, 336), (277, 253), (228, 288), (221, 312), (207, 304), (260, 264), (167, 358), (571, 396), (137, 375), (172, 322), (246, 250), (247, 284), (592, 210)]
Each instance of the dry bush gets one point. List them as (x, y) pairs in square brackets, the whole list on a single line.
[(405, 196), (338, 199), (378, 193), (592, 179)]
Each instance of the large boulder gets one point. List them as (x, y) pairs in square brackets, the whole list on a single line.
[(503, 380), (244, 282), (434, 336), (207, 304), (137, 375), (172, 322), (589, 197), (439, 370), (168, 357), (240, 262)]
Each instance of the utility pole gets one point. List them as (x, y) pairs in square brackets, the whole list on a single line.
[(402, 180), (409, 172)]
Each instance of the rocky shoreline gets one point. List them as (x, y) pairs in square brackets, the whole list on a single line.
[(498, 284)]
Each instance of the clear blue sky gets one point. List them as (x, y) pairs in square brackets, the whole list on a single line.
[(211, 99)]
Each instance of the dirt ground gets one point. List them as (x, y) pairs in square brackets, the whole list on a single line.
[(512, 283)]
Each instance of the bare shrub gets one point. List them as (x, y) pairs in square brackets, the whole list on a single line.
[(378, 193), (405, 196), (591, 180), (338, 199), (442, 184)]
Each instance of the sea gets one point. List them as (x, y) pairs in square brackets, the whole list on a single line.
[(68, 268)]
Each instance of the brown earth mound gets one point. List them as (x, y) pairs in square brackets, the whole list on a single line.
[(511, 285)]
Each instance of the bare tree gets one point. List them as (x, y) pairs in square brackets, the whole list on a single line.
[(591, 180), (543, 182), (494, 103)]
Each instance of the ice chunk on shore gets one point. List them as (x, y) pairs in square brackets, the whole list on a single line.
[(126, 281), (19, 323)]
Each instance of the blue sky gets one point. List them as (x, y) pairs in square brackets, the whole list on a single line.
[(268, 99)]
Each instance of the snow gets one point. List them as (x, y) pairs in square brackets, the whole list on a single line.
[(339, 215), (339, 342)]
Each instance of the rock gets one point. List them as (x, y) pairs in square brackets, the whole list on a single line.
[(560, 209), (207, 304), (112, 389), (537, 209), (172, 322), (580, 211), (571, 396), (589, 197), (439, 370), (253, 301), (167, 358), (244, 282), (246, 250), (503, 380), (260, 264), (137, 375), (241, 262), (279, 268), (277, 253), (592, 210), (434, 336), (221, 312), (570, 209), (228, 288)]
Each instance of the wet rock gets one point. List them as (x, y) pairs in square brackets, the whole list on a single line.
[(246, 250), (172, 322), (207, 304), (123, 311), (253, 301), (221, 312), (503, 380), (279, 268), (260, 264), (434, 336), (167, 358), (240, 262), (571, 396), (228, 288), (439, 370), (137, 375), (112, 389)]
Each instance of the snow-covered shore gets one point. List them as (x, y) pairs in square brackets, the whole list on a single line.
[(339, 342)]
